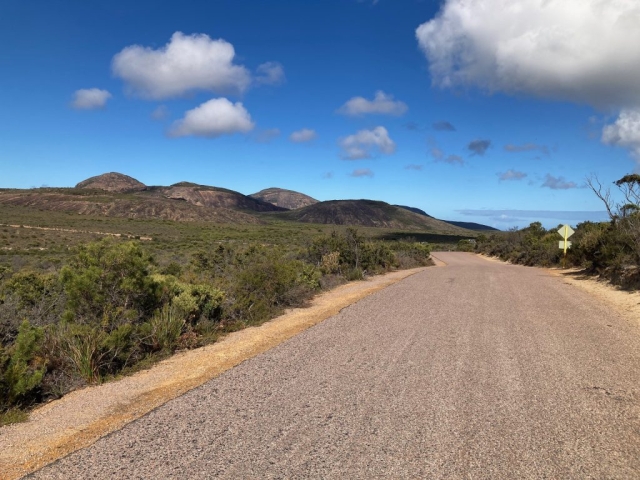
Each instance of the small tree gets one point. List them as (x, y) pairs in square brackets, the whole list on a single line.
[(109, 283)]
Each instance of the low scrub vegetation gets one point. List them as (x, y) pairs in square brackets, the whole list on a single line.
[(609, 249), (111, 307)]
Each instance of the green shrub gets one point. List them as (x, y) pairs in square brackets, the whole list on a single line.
[(165, 327), (92, 352), (355, 273), (195, 300), (108, 284), (21, 369)]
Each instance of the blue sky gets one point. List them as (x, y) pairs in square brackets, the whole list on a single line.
[(430, 104)]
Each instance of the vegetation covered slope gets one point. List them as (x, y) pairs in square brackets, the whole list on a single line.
[(284, 198), (213, 197), (367, 213), (127, 205), (118, 195), (467, 225)]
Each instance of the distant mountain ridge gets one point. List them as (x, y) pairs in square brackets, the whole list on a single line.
[(116, 194)]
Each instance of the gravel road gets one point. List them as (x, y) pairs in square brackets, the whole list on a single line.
[(475, 370)]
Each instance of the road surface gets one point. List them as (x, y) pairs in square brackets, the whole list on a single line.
[(475, 370)]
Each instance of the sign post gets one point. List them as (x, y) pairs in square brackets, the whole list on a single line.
[(565, 232)]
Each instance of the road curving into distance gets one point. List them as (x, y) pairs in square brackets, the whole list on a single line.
[(478, 370)]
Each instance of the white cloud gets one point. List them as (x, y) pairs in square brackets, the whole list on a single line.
[(365, 142), (270, 73), (511, 175), (304, 135), (186, 63), (382, 104), (625, 132), (213, 118), (90, 98), (586, 51)]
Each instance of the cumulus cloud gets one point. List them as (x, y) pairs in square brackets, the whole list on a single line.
[(444, 126), (558, 183), (362, 172), (586, 51), (413, 167), (212, 119), (527, 147), (511, 175), (160, 113), (90, 98), (364, 143), (479, 147), (304, 135), (186, 63), (270, 73), (265, 136), (382, 104), (625, 132)]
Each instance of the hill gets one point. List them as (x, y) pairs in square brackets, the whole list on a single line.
[(213, 197), (367, 213), (112, 182), (284, 198), (127, 205), (468, 225), (117, 195), (414, 210)]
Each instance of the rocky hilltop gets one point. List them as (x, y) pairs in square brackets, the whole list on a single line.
[(112, 182), (214, 197), (281, 197)]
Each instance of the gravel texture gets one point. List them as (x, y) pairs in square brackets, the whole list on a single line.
[(477, 370)]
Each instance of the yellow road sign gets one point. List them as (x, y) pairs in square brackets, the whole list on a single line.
[(565, 231)]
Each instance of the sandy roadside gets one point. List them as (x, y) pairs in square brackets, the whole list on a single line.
[(627, 303), (82, 417)]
